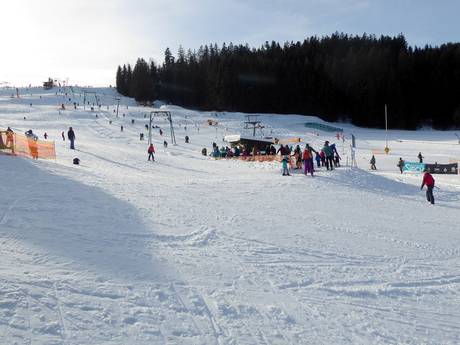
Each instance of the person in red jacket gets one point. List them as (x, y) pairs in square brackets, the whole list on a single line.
[(428, 180), (151, 151), (307, 161)]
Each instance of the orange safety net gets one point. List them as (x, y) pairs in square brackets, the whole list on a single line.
[(377, 152), (21, 145), (259, 158), (290, 140)]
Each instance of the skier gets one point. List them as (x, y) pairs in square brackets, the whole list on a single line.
[(223, 152), (420, 157), (63, 136), (428, 180), (335, 153), (204, 152), (71, 137), (31, 135), (318, 160), (337, 160), (187, 139), (306, 156), (373, 167), (284, 163), (298, 157), (9, 137), (329, 154), (322, 156), (161, 132), (400, 165), (141, 136), (151, 151), (45, 136), (165, 144), (312, 150), (121, 128)]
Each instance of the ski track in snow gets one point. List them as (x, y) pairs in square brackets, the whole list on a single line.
[(190, 250)]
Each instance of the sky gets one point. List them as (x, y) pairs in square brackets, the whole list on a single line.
[(84, 41)]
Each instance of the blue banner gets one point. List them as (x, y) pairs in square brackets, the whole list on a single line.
[(413, 167)]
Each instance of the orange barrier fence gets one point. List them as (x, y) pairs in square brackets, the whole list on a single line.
[(21, 145), (259, 158), (290, 140)]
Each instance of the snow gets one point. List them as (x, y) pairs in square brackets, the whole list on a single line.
[(190, 250)]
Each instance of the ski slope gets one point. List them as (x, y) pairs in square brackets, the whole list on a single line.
[(190, 250)]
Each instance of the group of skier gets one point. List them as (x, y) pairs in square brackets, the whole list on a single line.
[(400, 163), (428, 179), (327, 156)]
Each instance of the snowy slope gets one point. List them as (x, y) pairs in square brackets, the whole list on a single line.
[(189, 250)]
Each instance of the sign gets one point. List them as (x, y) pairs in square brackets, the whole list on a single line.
[(442, 168), (413, 167)]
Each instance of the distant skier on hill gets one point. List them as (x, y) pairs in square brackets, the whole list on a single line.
[(420, 157), (151, 151), (428, 180), (400, 165), (373, 167), (71, 137)]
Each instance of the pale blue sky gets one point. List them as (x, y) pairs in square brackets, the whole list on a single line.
[(85, 40)]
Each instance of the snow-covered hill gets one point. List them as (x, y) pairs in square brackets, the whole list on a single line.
[(190, 250)]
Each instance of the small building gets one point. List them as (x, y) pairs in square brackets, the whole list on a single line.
[(47, 85), (261, 144)]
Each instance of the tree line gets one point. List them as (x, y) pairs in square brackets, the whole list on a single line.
[(336, 77)]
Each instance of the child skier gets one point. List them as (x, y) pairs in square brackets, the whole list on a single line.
[(318, 160), (284, 163), (428, 180), (151, 151)]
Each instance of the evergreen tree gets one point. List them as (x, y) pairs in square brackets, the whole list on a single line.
[(335, 77), (141, 82), (119, 80)]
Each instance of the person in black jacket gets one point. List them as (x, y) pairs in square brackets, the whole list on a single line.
[(420, 157), (71, 137)]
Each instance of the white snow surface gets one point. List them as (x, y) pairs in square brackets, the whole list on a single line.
[(190, 250)]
